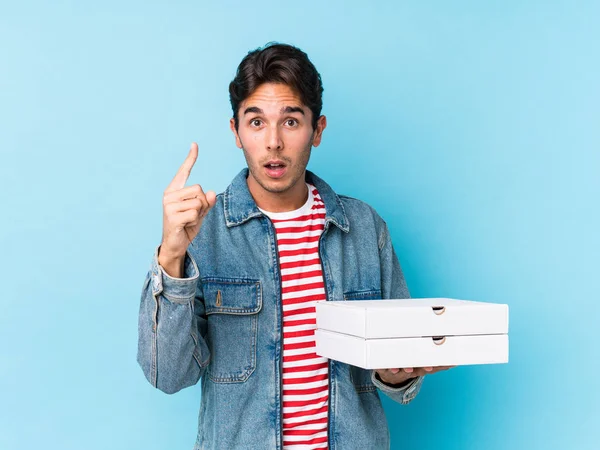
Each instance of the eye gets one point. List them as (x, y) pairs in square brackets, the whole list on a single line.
[(291, 122), (255, 122)]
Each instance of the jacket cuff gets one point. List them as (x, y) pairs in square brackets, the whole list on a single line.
[(404, 394), (177, 290)]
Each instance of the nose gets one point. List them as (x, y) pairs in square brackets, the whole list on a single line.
[(273, 139)]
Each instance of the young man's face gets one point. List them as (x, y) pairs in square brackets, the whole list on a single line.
[(276, 134)]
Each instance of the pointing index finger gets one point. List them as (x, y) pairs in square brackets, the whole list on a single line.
[(184, 171)]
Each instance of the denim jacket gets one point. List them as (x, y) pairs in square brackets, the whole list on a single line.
[(222, 322)]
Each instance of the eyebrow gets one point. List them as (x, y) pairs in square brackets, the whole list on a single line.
[(286, 110)]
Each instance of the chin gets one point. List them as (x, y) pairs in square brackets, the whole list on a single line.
[(275, 187)]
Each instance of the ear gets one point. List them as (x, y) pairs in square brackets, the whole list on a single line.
[(238, 142), (318, 133)]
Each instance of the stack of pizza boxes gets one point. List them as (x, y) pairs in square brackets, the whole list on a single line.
[(420, 332)]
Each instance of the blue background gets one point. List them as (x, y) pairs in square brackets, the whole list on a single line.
[(472, 127)]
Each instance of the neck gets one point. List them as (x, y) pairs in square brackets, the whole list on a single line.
[(289, 200)]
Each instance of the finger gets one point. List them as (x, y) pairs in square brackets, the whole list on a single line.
[(186, 218), (185, 205), (394, 371), (408, 369), (188, 193), (420, 372), (182, 194), (208, 201), (184, 171), (211, 197), (205, 206)]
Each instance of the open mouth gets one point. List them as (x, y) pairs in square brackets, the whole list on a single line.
[(274, 166), (275, 169)]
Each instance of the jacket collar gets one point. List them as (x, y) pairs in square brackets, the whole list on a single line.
[(239, 206)]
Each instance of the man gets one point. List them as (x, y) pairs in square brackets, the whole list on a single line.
[(230, 296)]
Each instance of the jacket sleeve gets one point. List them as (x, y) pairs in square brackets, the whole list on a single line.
[(172, 350), (393, 286)]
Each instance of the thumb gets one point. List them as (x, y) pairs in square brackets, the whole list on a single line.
[(211, 198)]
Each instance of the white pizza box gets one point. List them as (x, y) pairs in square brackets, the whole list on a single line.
[(417, 317), (412, 352)]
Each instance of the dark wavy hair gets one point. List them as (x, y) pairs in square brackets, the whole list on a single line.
[(277, 63)]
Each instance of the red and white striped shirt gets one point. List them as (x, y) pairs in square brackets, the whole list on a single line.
[(305, 375)]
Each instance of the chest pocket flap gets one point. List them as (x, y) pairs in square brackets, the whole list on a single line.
[(232, 296)]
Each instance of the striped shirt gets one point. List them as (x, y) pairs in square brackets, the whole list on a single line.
[(305, 375)]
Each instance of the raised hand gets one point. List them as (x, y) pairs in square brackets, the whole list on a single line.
[(184, 209)]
